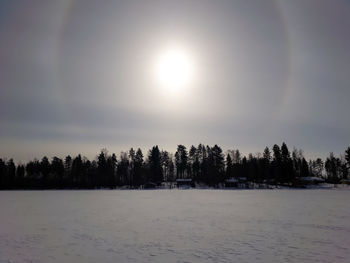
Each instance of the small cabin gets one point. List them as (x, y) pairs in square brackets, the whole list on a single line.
[(149, 185), (311, 180), (231, 182), (242, 179), (184, 182), (345, 181)]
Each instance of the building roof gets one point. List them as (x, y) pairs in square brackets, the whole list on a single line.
[(311, 178), (184, 180), (231, 180)]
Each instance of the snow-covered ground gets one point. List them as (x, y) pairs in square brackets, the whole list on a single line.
[(175, 226)]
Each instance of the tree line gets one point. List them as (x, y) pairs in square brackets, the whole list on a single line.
[(203, 164)]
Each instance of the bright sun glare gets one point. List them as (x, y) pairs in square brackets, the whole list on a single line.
[(174, 70)]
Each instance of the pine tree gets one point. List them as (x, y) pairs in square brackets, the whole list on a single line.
[(138, 167), (347, 158), (57, 168), (155, 165), (181, 158), (276, 163), (229, 166)]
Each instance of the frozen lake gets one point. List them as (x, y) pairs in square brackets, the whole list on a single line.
[(175, 226)]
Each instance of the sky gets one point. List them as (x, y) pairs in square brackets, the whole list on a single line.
[(78, 76)]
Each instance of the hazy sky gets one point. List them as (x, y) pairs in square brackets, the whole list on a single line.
[(77, 76)]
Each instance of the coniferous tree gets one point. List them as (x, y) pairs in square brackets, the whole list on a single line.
[(33, 173), (237, 164), (76, 173), (45, 171), (138, 168), (192, 158), (20, 172), (132, 165), (111, 167), (267, 154), (10, 173), (87, 172), (171, 175), (304, 168), (250, 168), (181, 158), (344, 171), (123, 169), (57, 169), (316, 167), (229, 166), (2, 174), (155, 166), (237, 157), (347, 158), (67, 170), (216, 165), (203, 163), (276, 163), (266, 161), (102, 168), (286, 165), (165, 160), (332, 166)]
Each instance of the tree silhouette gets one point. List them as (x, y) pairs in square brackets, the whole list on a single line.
[(123, 169), (347, 159), (138, 169), (332, 166), (204, 164), (181, 158), (316, 167), (216, 165), (276, 163), (286, 165), (57, 168), (192, 163), (3, 184), (229, 166), (266, 164), (155, 166), (167, 166)]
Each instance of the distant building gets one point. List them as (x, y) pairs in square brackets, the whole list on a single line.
[(231, 182), (184, 182), (311, 180), (345, 181), (242, 179), (150, 185)]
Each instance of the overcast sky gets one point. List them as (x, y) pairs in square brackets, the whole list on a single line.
[(76, 76)]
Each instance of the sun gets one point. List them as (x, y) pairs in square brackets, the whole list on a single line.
[(174, 70)]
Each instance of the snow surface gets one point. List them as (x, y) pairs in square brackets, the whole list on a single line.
[(175, 226)]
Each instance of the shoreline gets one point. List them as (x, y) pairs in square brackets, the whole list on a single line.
[(270, 187)]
